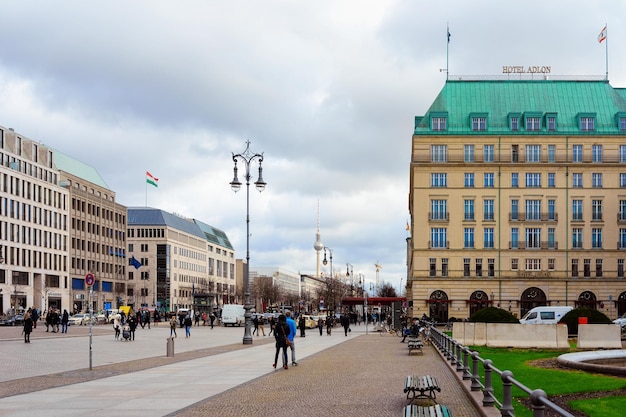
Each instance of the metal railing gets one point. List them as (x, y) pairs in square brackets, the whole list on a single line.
[(459, 356)]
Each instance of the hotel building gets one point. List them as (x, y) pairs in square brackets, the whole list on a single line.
[(518, 198)]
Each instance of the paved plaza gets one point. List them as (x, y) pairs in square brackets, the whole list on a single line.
[(212, 374)]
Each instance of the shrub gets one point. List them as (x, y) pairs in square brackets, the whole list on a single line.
[(493, 315), (593, 317)]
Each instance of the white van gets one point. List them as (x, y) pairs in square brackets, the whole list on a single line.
[(233, 314), (545, 315)]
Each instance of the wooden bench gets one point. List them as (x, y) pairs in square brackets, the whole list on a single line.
[(428, 411), (421, 387), (415, 344)]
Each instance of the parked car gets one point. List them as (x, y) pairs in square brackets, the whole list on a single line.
[(621, 321), (101, 318), (310, 322), (17, 320), (545, 315), (79, 319)]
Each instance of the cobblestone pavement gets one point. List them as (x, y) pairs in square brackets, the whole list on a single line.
[(361, 377)]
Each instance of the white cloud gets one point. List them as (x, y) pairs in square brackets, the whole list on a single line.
[(327, 90)]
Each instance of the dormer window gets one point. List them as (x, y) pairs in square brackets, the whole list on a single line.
[(438, 121), (514, 121), (620, 118), (586, 122), (533, 123), (479, 122), (551, 122)]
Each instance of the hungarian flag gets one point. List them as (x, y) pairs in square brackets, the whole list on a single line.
[(151, 179), (602, 35)]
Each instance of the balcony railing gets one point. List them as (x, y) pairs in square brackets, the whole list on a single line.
[(430, 245), (510, 157), (525, 245), (439, 217), (533, 217)]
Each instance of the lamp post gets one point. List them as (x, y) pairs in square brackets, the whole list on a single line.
[(350, 273), (246, 158), (329, 283)]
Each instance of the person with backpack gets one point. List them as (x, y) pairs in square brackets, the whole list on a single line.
[(281, 332), (188, 323)]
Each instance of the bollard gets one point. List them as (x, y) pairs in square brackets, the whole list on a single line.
[(170, 347)]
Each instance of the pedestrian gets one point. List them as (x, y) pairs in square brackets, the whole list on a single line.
[(48, 319), (281, 331), (292, 334), (28, 327), (188, 324), (203, 318), (262, 325), (302, 325), (35, 316), (146, 317), (173, 326), (345, 322), (65, 320), (212, 319), (329, 325), (272, 326), (197, 318), (320, 325), (132, 326), (55, 321), (413, 330), (255, 321), (157, 317), (117, 325)]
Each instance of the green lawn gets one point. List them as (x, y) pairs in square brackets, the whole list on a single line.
[(552, 381)]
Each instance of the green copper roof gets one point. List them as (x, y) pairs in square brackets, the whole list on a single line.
[(497, 99), (79, 169), (214, 235)]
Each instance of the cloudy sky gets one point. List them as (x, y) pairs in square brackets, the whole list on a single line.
[(327, 90)]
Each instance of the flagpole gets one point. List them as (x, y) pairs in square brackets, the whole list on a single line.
[(146, 192), (447, 48), (607, 51)]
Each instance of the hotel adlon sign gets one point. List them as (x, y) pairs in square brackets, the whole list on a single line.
[(531, 69)]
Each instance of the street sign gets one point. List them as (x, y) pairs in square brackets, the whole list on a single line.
[(89, 280)]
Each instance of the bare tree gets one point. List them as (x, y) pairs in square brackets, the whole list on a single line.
[(387, 290)]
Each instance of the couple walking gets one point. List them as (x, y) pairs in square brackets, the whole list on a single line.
[(284, 332)]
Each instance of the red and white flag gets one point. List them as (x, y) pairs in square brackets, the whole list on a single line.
[(602, 35)]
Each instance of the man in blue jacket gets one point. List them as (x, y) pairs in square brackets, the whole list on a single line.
[(292, 333)]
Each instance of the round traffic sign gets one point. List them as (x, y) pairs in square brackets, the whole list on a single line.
[(89, 279)]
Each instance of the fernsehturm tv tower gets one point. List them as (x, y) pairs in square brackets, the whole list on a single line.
[(318, 245)]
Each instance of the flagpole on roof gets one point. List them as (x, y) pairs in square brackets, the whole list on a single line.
[(447, 48), (606, 48)]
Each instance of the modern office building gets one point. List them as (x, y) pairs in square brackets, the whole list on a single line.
[(34, 229), (180, 262), (97, 226), (518, 198)]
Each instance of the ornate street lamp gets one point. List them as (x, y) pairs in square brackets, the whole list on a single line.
[(246, 158), (329, 283)]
